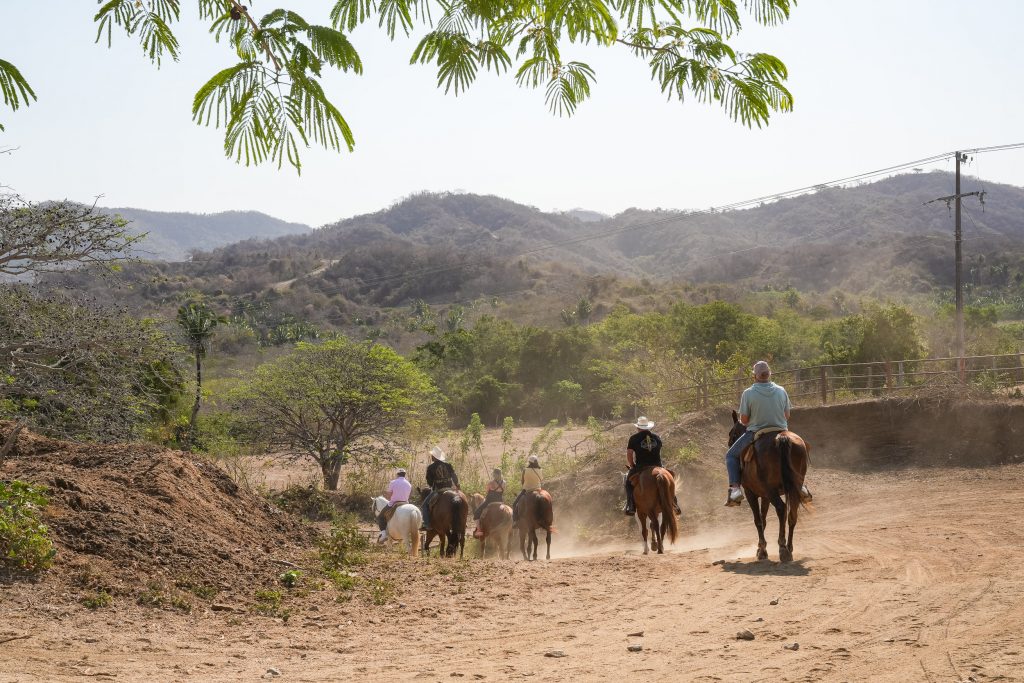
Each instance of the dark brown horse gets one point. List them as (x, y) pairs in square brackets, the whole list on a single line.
[(778, 469), (534, 512), (654, 492), (447, 521)]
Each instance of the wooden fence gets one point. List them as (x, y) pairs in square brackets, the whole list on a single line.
[(821, 384)]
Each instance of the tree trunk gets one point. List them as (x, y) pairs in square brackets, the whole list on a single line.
[(187, 446), (330, 465)]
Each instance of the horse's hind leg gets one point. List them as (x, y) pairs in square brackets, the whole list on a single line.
[(534, 542), (656, 534), (762, 544), (643, 528), (785, 555), (522, 543), (549, 544), (794, 510)]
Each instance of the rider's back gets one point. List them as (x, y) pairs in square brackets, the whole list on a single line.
[(766, 403)]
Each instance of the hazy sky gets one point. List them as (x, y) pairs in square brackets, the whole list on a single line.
[(876, 82)]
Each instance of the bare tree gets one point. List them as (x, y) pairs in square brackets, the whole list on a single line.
[(37, 238)]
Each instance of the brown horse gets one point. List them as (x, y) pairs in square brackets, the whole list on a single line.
[(778, 469), (534, 512), (495, 522), (654, 491), (447, 521)]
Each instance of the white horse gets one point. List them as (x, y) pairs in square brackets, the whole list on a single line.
[(404, 525)]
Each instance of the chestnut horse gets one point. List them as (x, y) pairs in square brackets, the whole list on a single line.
[(447, 521), (534, 512), (495, 522), (654, 492), (779, 469)]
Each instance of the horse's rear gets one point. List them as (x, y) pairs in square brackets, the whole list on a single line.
[(496, 523), (654, 495), (536, 512), (776, 471)]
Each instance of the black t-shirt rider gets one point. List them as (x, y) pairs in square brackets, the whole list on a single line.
[(646, 447)]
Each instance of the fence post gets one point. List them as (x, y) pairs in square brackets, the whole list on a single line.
[(962, 369), (1020, 368), (888, 375), (704, 389), (899, 373)]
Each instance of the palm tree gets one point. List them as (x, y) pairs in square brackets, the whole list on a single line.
[(198, 322)]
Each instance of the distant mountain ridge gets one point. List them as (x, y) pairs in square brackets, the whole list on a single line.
[(173, 235)]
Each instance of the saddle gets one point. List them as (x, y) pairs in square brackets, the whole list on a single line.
[(389, 511), (763, 439), (634, 478), (438, 494)]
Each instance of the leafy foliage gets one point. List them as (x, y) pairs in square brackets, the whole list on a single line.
[(24, 542), (338, 399), (271, 102)]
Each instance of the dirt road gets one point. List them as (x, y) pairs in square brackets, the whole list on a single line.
[(909, 576)]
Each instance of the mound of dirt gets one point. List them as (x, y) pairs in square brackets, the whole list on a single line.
[(130, 515)]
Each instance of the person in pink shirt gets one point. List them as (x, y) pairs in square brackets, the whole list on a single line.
[(397, 494)]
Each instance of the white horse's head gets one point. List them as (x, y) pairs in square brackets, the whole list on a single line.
[(379, 503)]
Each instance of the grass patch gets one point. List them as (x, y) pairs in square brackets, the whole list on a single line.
[(97, 600), (382, 591), (25, 544)]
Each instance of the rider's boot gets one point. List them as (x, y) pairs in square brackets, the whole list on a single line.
[(630, 508), (735, 497)]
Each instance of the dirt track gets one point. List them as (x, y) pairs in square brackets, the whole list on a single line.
[(914, 576)]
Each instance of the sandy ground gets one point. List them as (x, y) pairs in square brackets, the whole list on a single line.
[(909, 576)]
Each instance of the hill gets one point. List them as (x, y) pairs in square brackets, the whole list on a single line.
[(456, 250), (172, 236)]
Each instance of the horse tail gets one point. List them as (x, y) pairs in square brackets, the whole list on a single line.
[(668, 508), (791, 481)]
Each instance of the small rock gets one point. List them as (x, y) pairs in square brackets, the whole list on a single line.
[(220, 607), (638, 634), (774, 602), (401, 605), (92, 640), (555, 653), (759, 619), (717, 563), (635, 648), (456, 674), (273, 672), (792, 646), (745, 634)]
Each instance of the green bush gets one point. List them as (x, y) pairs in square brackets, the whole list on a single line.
[(344, 546), (24, 543)]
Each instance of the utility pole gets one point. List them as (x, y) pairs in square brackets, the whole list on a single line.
[(959, 264), (956, 198)]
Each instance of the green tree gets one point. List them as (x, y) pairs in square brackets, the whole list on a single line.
[(198, 323), (337, 400), (271, 101)]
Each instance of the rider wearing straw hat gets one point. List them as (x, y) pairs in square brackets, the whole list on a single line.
[(643, 450), (440, 475), (532, 480)]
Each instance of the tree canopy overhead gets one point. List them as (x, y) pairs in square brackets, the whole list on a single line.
[(271, 102)]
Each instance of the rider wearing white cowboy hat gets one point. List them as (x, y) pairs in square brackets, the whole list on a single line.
[(532, 480), (440, 475), (643, 450)]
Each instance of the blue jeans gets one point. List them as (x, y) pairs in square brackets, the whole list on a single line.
[(732, 457)]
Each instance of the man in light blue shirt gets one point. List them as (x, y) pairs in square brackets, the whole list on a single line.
[(763, 404)]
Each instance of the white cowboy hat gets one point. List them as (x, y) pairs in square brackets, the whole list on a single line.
[(437, 454), (643, 423), (401, 472), (532, 459)]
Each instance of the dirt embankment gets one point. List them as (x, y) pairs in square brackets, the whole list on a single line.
[(125, 516)]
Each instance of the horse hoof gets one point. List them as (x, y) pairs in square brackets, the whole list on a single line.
[(785, 555), (762, 554)]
